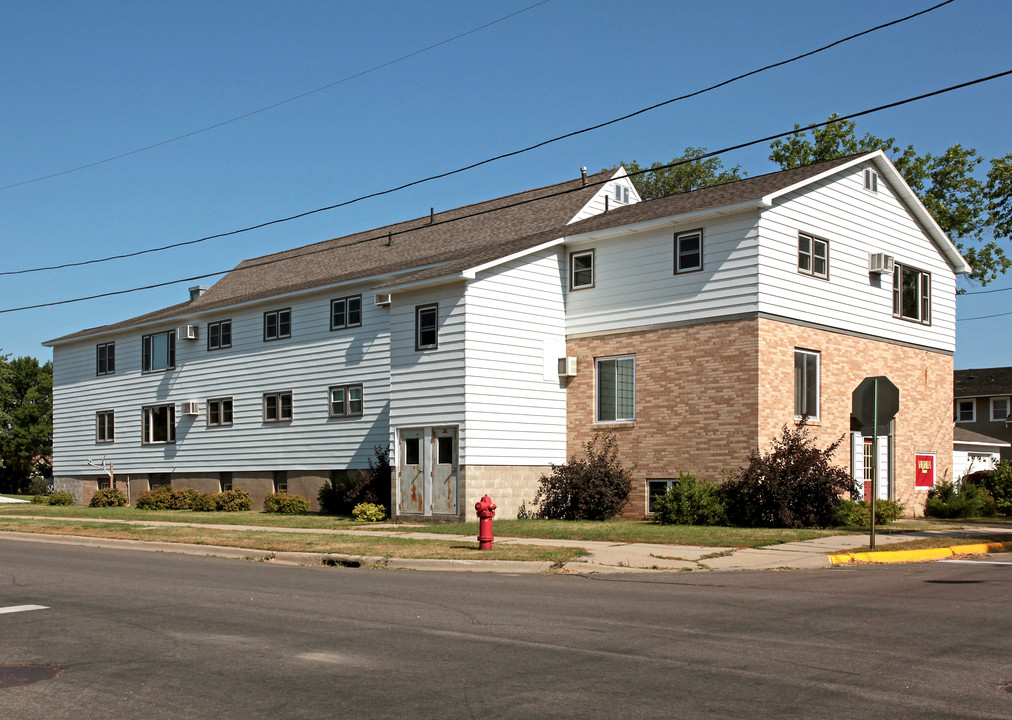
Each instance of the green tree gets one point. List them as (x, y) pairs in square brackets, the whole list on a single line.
[(973, 212), (660, 181), (26, 421)]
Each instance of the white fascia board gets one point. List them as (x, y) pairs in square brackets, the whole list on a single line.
[(427, 282), (906, 194), (666, 221), (472, 272), (967, 443), (218, 309)]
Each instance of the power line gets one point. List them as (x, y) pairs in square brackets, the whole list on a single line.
[(386, 236), (984, 317), (273, 105), (480, 163)]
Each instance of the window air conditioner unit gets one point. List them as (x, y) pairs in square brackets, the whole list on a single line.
[(567, 366), (186, 332), (880, 263), (191, 407), (382, 299)]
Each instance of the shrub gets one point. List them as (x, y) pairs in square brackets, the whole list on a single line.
[(182, 498), (40, 499), (159, 498), (234, 500), (792, 485), (339, 495), (285, 504), (369, 512), (61, 498), (691, 502), (851, 512), (108, 497), (39, 486), (205, 502), (998, 484), (592, 488), (964, 500)]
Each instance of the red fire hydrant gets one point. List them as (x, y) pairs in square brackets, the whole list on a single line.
[(486, 511)]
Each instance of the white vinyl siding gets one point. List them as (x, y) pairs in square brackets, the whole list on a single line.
[(306, 365), (856, 223), (515, 331)]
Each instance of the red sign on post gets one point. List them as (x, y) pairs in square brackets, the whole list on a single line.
[(924, 475)]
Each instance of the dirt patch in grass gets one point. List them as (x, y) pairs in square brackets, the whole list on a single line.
[(295, 542)]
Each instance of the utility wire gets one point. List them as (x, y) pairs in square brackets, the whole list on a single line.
[(388, 235), (273, 105), (480, 163), (983, 317)]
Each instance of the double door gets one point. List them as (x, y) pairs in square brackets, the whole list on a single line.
[(427, 473)]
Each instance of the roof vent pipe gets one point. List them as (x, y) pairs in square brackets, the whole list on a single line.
[(583, 173), (197, 290), (432, 216)]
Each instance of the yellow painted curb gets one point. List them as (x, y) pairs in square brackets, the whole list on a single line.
[(888, 556)]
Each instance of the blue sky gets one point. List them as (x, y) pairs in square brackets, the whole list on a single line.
[(84, 82)]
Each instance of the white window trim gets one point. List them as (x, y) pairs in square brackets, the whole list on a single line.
[(678, 251), (898, 269), (597, 391), (818, 382), (347, 413), (1007, 409), (973, 408), (668, 484), (572, 270)]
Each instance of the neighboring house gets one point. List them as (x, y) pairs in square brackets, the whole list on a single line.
[(982, 403), (482, 351), (972, 452)]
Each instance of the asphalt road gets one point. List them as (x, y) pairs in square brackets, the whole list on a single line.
[(151, 636)]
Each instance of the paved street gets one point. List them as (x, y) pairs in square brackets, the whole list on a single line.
[(152, 635)]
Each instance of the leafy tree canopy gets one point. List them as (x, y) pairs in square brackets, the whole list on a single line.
[(26, 421), (974, 210)]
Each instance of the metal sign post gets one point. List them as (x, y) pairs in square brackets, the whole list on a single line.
[(875, 402)]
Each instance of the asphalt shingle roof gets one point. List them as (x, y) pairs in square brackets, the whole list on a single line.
[(982, 382)]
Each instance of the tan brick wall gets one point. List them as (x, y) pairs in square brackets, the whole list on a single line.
[(507, 485), (924, 379), (696, 401)]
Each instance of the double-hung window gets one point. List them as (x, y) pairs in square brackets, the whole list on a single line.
[(105, 359), (813, 256), (105, 426), (158, 351), (277, 324), (616, 389), (689, 251), (219, 335), (966, 411), (581, 270), (999, 409), (345, 400), (219, 412), (911, 294), (426, 335), (277, 407), (158, 424), (806, 384), (346, 312)]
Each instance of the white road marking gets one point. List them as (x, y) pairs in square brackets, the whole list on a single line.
[(978, 562), (21, 608)]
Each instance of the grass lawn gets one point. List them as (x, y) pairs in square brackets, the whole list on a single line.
[(324, 522), (294, 542), (937, 542), (637, 531)]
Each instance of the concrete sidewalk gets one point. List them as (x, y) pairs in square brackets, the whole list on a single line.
[(602, 557)]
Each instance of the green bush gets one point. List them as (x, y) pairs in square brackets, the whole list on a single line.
[(792, 485), (159, 498), (965, 500), (285, 504), (204, 502), (40, 499), (592, 488), (61, 498), (998, 484), (39, 486), (851, 512), (691, 502), (341, 493), (235, 500), (108, 497), (182, 498), (368, 512)]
